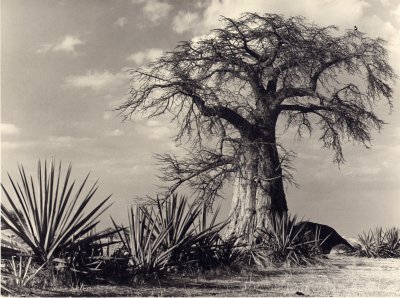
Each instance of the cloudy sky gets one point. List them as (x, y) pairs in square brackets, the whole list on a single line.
[(63, 70)]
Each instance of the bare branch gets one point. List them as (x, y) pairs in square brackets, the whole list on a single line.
[(232, 86)]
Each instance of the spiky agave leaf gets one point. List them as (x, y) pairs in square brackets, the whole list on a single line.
[(379, 243), (207, 242), (289, 240), (366, 244), (51, 220), (21, 271), (144, 241), (166, 234), (176, 213), (189, 234), (393, 240)]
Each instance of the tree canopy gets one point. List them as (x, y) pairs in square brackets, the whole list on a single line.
[(227, 89)]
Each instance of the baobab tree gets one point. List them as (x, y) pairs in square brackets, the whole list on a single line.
[(227, 91)]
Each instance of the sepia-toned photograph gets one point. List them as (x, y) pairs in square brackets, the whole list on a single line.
[(200, 148)]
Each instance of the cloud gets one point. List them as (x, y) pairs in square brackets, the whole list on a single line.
[(49, 142), (114, 133), (327, 12), (44, 48), (146, 56), (9, 145), (157, 130), (107, 115), (97, 80), (374, 18), (159, 133), (185, 21), (377, 26), (67, 45), (61, 141), (9, 129), (386, 2), (20, 145), (64, 141), (121, 22), (153, 123), (396, 13), (154, 10)]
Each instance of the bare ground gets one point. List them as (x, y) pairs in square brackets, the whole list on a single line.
[(335, 276)]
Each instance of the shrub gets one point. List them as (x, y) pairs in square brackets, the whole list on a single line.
[(19, 271), (379, 243), (392, 241), (227, 253), (285, 241), (290, 242), (197, 239), (49, 219), (143, 241), (169, 235)]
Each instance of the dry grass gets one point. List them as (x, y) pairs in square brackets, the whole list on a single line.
[(335, 276)]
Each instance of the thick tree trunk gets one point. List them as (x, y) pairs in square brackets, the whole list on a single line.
[(258, 188)]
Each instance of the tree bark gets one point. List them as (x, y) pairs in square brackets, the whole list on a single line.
[(258, 187)]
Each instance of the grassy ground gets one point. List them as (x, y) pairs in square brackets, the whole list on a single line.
[(335, 276)]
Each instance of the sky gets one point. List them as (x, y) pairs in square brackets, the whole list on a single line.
[(64, 70)]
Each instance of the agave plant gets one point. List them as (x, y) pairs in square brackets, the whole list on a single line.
[(379, 243), (289, 242), (192, 237), (143, 241), (208, 246), (393, 241), (47, 216), (172, 213), (366, 245), (169, 234), (227, 253), (19, 272)]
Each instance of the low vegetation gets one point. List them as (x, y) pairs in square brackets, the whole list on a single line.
[(55, 224), (334, 277), (379, 243), (166, 238)]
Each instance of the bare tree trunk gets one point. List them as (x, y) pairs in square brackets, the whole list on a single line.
[(258, 189)]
